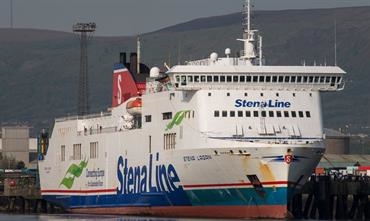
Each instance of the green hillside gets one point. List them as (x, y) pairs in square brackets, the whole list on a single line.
[(39, 68)]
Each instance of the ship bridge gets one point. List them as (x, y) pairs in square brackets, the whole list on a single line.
[(232, 73)]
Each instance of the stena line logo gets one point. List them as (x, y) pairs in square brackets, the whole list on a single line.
[(150, 178), (267, 104)]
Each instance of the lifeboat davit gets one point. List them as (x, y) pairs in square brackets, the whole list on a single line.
[(133, 106)]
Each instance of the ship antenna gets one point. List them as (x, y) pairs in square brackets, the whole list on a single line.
[(248, 35), (138, 44), (335, 42)]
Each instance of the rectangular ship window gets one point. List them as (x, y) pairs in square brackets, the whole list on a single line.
[(167, 115), (76, 152), (294, 114), (209, 78), (242, 78), (255, 78), (268, 79), (235, 79), (271, 113), (263, 113), (274, 79), (278, 113), (292, 79), (232, 113), (255, 113), (190, 79), (63, 153), (281, 78), (249, 78), (286, 113), (148, 118), (224, 113), (308, 114), (94, 150), (300, 114), (222, 78), (240, 113), (247, 113), (228, 78), (299, 79), (215, 78), (217, 113)]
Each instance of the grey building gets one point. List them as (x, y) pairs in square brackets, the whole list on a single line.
[(15, 143)]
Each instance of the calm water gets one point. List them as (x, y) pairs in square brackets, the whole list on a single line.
[(70, 217)]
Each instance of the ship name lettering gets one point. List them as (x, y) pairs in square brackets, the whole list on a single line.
[(152, 178), (268, 103)]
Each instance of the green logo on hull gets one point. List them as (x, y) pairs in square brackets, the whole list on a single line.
[(179, 116), (73, 172)]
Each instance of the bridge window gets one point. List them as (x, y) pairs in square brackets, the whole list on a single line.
[(247, 113), (268, 79), (292, 79), (222, 78), (281, 78), (190, 79), (228, 78), (274, 79), (338, 79), (322, 79), (305, 79), (299, 79), (196, 78), (286, 79), (215, 78), (255, 113), (255, 78), (249, 78), (183, 80), (217, 113), (235, 79), (317, 79), (242, 78), (203, 78), (310, 79), (262, 79)]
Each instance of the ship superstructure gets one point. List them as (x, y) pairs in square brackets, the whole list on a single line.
[(218, 137)]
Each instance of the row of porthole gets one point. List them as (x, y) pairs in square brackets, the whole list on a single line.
[(256, 113)]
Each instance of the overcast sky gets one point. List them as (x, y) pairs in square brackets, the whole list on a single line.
[(130, 17)]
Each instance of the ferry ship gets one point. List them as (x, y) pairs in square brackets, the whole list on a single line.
[(222, 137)]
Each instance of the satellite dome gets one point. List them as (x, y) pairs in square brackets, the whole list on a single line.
[(213, 57), (154, 72), (227, 52)]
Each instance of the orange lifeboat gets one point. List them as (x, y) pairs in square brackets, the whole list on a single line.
[(133, 107)]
